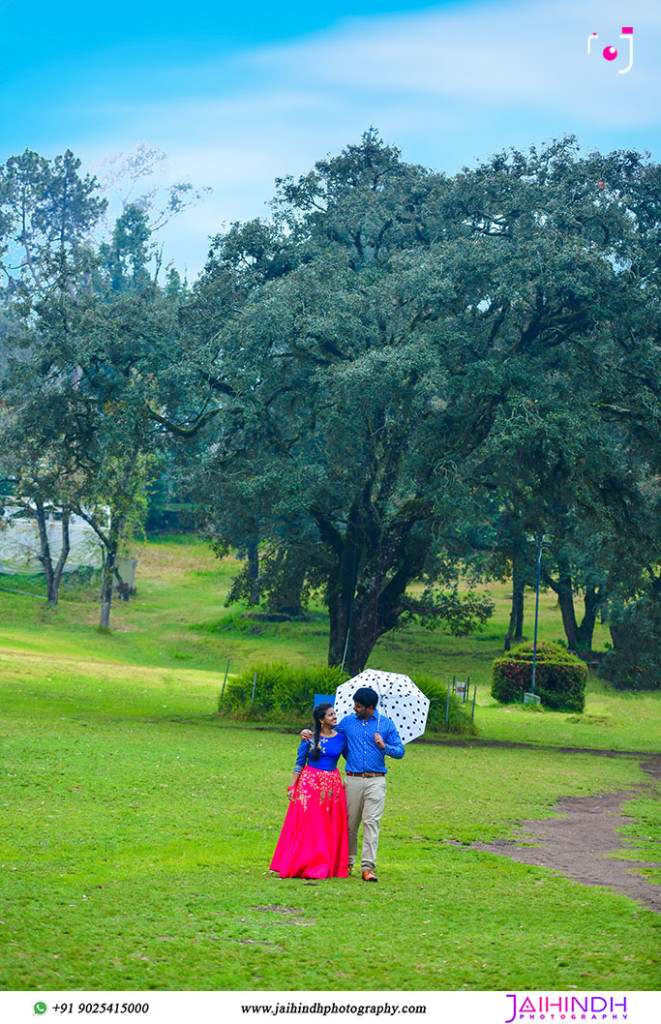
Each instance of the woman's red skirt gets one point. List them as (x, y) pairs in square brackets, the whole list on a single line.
[(313, 842)]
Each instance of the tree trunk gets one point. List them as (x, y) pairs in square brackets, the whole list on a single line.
[(286, 572), (566, 601), (594, 601), (518, 602), (374, 567), (564, 589), (618, 635), (106, 586), (45, 556), (515, 630), (253, 572), (353, 634), (53, 573), (340, 609), (362, 640), (287, 600), (64, 554)]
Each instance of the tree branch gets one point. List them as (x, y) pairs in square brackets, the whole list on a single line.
[(178, 429)]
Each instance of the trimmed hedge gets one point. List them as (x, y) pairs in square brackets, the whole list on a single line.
[(560, 677)]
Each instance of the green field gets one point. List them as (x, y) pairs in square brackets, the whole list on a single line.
[(138, 827)]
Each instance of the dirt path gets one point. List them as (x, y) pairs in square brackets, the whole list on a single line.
[(577, 845)]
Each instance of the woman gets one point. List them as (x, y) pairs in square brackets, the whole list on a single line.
[(313, 842)]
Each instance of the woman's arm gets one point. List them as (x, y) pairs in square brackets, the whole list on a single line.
[(291, 789), (301, 759)]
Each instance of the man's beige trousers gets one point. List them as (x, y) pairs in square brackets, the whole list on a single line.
[(365, 802)]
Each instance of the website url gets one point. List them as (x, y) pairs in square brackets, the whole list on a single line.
[(323, 1009)]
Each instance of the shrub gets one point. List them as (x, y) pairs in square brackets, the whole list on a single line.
[(634, 663), (296, 691), (459, 718), (282, 693), (560, 677)]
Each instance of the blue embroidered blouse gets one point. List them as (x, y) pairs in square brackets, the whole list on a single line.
[(332, 748)]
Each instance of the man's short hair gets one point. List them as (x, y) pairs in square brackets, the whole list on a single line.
[(366, 696)]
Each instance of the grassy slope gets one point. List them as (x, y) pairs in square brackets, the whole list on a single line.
[(178, 622), (138, 829)]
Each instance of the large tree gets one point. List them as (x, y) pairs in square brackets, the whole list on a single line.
[(89, 328), (48, 212), (391, 351)]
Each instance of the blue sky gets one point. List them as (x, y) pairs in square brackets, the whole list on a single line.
[(236, 95)]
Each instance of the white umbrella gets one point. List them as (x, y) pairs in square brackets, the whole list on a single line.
[(399, 699)]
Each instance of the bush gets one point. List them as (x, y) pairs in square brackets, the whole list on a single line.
[(459, 718), (560, 677), (634, 663), (282, 693), (632, 670), (285, 695)]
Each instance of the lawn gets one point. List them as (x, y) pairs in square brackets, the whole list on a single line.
[(138, 827)]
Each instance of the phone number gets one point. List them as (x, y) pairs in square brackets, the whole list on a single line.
[(102, 1008)]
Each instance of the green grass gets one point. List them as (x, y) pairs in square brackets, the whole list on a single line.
[(178, 621), (138, 838), (138, 828)]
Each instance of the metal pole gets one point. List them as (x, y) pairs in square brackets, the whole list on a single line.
[(222, 692), (447, 708), (26, 593), (473, 711), (539, 538)]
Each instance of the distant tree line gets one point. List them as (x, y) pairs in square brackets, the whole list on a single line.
[(396, 379)]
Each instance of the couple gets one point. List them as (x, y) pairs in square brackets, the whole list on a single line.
[(319, 838)]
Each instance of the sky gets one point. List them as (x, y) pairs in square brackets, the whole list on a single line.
[(237, 95)]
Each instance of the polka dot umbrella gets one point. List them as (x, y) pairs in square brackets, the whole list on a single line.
[(399, 699)]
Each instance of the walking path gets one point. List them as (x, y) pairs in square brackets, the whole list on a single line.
[(580, 844)]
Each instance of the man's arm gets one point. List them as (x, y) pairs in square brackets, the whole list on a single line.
[(393, 745)]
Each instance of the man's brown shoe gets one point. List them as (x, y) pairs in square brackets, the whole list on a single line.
[(369, 876)]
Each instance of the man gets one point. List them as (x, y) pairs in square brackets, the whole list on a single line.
[(370, 736)]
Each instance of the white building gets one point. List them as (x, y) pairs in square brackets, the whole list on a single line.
[(20, 546)]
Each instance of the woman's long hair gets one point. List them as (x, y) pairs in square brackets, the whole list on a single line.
[(318, 714)]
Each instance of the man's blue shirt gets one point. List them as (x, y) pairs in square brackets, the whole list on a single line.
[(362, 754)]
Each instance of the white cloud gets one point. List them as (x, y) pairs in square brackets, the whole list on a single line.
[(523, 54), (446, 85)]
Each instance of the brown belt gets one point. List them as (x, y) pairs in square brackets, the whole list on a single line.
[(367, 775)]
